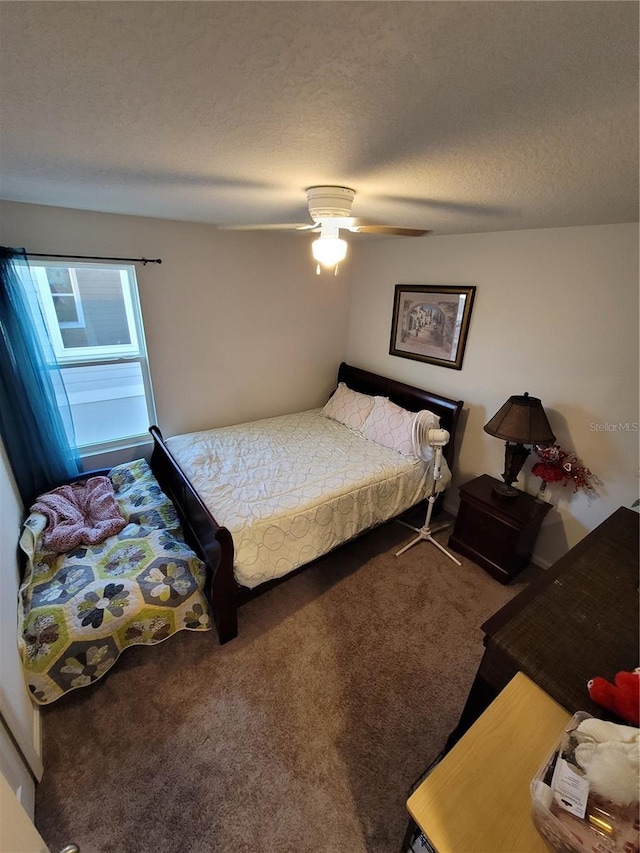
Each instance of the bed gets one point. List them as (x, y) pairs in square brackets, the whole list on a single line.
[(256, 519), (78, 609)]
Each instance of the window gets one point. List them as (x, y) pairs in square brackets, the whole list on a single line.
[(64, 292), (93, 317)]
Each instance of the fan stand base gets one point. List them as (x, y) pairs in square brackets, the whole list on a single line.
[(425, 535)]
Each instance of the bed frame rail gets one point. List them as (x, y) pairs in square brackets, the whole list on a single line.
[(209, 540)]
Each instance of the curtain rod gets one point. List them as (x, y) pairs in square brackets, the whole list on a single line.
[(143, 261)]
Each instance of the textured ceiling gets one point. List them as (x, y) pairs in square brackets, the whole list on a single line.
[(452, 116)]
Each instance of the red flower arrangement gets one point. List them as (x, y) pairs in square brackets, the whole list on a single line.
[(558, 466)]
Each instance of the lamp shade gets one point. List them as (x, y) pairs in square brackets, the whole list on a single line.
[(329, 251), (522, 420)]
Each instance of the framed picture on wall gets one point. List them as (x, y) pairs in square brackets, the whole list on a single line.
[(430, 323)]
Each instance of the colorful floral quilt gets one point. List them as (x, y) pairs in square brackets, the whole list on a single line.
[(79, 610)]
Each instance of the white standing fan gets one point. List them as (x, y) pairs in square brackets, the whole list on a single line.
[(424, 435)]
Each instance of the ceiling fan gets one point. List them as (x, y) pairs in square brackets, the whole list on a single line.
[(330, 211)]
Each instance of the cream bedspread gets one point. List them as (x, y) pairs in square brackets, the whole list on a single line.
[(293, 487)]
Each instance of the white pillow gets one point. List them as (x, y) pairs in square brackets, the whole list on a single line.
[(391, 426), (348, 407)]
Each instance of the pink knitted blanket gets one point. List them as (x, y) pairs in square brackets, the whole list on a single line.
[(84, 512)]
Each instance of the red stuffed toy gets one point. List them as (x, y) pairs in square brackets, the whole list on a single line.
[(623, 697)]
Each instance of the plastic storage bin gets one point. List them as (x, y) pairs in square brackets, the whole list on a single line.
[(569, 817)]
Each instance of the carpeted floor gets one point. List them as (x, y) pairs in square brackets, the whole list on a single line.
[(304, 734)]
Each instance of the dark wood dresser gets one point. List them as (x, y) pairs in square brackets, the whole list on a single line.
[(579, 620)]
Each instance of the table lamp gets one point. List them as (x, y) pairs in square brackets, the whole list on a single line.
[(520, 421)]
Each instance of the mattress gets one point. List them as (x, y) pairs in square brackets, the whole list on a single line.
[(293, 487)]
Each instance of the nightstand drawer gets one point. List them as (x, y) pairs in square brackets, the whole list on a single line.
[(489, 536)]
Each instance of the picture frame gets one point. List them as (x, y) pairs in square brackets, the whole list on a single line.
[(431, 322)]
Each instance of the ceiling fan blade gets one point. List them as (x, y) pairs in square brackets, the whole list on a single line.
[(296, 226), (389, 229)]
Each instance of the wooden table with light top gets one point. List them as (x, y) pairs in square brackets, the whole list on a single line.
[(477, 800)]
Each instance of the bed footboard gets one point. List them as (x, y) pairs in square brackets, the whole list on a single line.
[(209, 540)]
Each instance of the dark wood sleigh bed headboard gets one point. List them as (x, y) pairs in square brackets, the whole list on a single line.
[(214, 543), (407, 396)]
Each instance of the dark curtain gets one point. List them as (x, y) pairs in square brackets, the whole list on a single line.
[(35, 420)]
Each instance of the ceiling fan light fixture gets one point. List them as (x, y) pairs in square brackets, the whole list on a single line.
[(329, 251)]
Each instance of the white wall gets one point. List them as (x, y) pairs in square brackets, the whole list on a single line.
[(17, 712), (238, 325), (556, 314)]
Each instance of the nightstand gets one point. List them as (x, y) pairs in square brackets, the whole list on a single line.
[(496, 533)]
